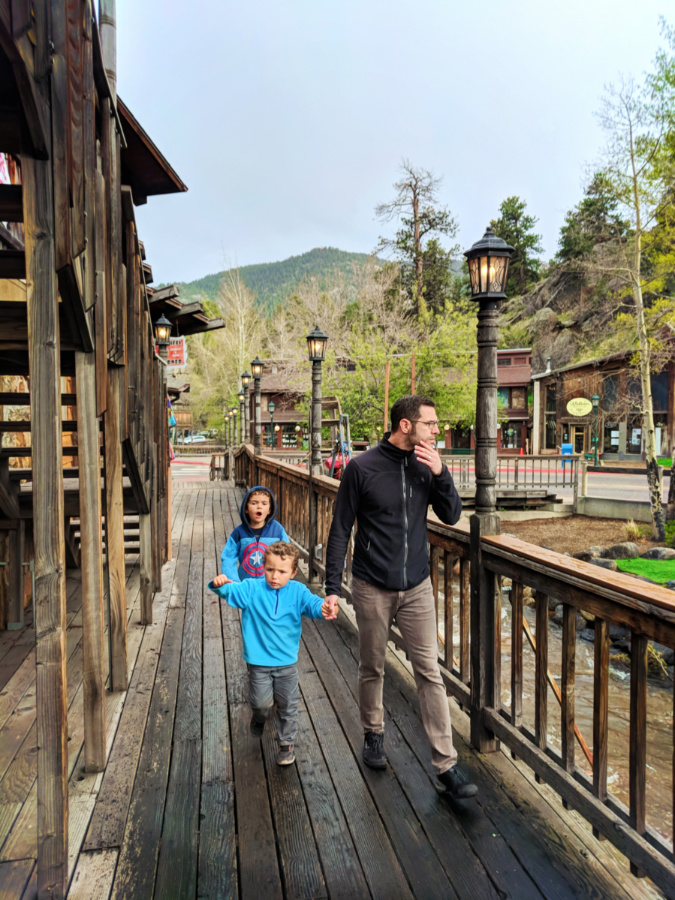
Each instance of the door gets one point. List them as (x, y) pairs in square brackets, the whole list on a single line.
[(579, 438)]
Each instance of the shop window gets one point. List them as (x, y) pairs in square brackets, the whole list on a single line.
[(503, 360), (502, 396), (610, 393), (550, 421), (461, 438), (660, 392), (634, 434), (518, 398), (512, 436), (610, 443)]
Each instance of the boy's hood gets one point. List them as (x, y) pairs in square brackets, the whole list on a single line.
[(242, 508)]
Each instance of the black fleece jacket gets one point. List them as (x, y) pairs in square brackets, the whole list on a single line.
[(388, 491)]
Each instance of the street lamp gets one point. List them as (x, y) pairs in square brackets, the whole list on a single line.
[(241, 397), (162, 329), (256, 368), (488, 261), (270, 410), (316, 348), (245, 382), (595, 400), (235, 412)]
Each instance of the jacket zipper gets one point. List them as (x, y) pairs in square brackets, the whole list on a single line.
[(276, 605), (404, 466)]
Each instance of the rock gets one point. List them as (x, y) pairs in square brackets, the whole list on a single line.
[(588, 555), (528, 596), (625, 550), (622, 646), (670, 585), (553, 604), (588, 634), (597, 550), (666, 653), (558, 615), (659, 553), (605, 564), (580, 623), (587, 617), (618, 633)]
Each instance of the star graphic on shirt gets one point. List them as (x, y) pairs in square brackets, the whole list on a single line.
[(256, 558)]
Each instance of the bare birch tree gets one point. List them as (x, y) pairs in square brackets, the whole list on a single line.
[(641, 173)]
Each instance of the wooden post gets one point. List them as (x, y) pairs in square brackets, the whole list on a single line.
[(16, 539), (485, 521), (386, 398), (48, 523), (114, 533), (91, 557)]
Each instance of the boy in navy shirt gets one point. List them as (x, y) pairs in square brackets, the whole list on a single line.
[(271, 626), (243, 555)]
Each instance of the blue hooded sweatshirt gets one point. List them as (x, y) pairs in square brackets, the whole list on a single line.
[(243, 555), (271, 619)]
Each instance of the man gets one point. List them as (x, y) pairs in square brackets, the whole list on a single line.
[(388, 490)]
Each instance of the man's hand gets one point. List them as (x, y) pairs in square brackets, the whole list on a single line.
[(329, 607), (429, 456), (220, 580)]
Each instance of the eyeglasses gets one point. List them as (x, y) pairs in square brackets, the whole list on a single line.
[(432, 423)]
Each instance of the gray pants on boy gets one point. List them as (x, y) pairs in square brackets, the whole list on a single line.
[(268, 685)]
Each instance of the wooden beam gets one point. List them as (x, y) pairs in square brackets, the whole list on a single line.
[(48, 525), (70, 288), (91, 563), (170, 292), (8, 237), (134, 474), (17, 538), (72, 548), (115, 533), (22, 398)]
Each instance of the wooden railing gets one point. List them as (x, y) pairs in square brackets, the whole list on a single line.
[(519, 473), (467, 574)]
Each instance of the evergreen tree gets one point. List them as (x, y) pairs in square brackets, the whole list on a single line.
[(516, 227), (594, 220)]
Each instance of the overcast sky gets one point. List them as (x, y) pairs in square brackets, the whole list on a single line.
[(288, 119)]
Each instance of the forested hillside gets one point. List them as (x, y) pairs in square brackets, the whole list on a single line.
[(273, 282)]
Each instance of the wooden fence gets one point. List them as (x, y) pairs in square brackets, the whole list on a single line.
[(470, 622)]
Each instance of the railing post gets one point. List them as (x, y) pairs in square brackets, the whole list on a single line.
[(313, 576)]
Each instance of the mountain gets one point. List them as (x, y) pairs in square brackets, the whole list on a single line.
[(273, 282)]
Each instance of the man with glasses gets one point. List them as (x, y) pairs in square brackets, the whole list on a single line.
[(388, 491)]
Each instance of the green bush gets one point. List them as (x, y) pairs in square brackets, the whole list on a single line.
[(670, 533)]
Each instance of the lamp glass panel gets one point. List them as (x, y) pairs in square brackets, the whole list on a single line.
[(497, 270), (474, 275)]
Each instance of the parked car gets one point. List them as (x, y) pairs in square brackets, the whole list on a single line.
[(195, 439)]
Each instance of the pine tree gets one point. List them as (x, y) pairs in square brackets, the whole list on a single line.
[(516, 227)]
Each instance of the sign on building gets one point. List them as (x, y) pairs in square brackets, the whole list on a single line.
[(579, 406), (176, 352)]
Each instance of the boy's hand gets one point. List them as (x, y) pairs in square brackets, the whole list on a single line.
[(220, 580), (329, 607)]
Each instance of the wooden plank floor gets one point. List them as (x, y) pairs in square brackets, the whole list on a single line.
[(191, 806)]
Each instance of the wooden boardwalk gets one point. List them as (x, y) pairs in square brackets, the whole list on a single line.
[(191, 806)]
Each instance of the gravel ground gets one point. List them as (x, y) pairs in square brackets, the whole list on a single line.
[(574, 533)]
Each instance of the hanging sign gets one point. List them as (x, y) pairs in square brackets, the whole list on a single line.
[(176, 352), (579, 406)]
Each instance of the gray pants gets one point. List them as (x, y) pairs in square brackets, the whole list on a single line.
[(268, 685), (415, 614)]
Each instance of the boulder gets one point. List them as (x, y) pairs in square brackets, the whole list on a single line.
[(589, 555), (596, 550), (618, 633), (659, 553), (670, 585), (605, 564), (625, 550), (558, 614)]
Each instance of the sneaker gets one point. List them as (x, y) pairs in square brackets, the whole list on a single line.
[(285, 756), (456, 784), (256, 727), (373, 750)]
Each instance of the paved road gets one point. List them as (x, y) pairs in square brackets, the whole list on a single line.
[(617, 486), (191, 468)]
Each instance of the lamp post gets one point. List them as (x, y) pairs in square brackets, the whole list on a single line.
[(256, 368), (488, 268), (227, 428), (298, 441), (242, 433), (162, 329), (488, 261), (245, 382), (270, 409), (595, 400), (234, 412), (316, 347), (277, 429)]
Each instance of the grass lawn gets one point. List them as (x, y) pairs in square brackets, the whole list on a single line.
[(659, 570)]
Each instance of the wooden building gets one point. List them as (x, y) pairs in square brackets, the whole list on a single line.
[(76, 337), (619, 418)]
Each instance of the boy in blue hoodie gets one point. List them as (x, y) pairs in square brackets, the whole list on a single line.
[(243, 555), (271, 626)]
